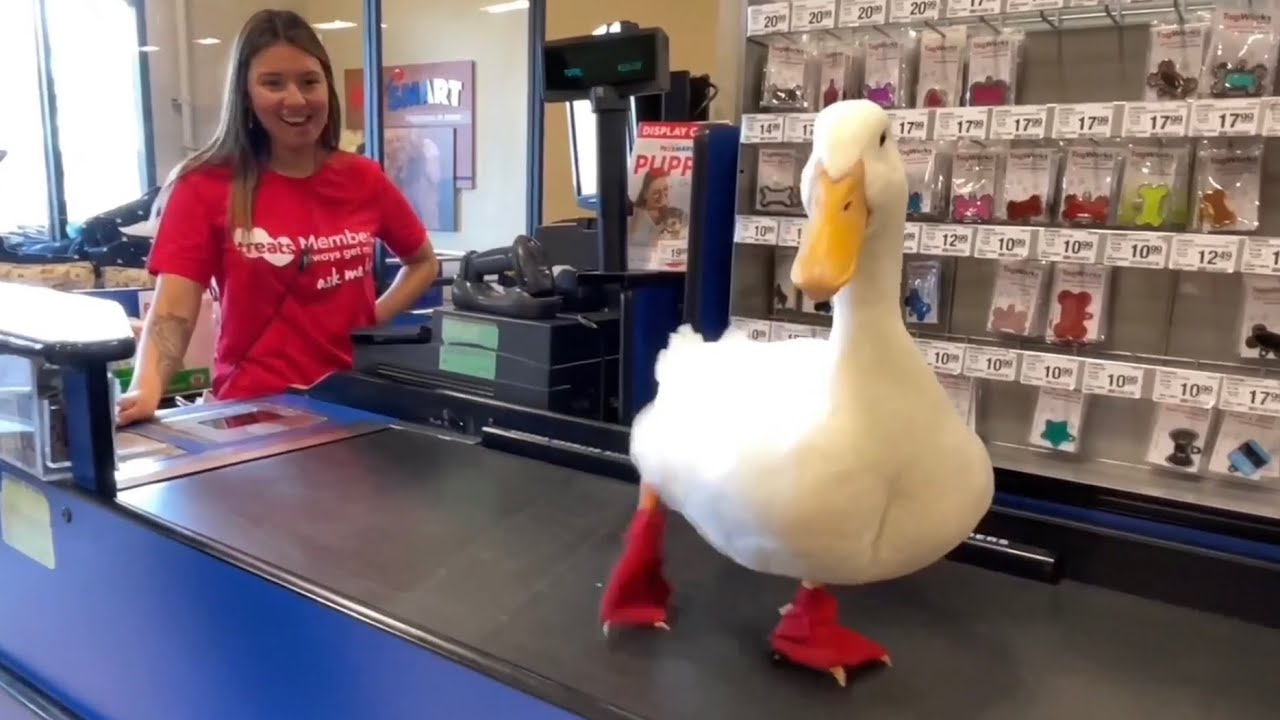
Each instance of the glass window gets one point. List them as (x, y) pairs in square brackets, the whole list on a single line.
[(94, 52), (24, 199)]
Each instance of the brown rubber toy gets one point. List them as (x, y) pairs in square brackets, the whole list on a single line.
[(1214, 210)]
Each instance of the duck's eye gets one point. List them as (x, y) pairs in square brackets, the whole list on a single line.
[(883, 136), (847, 206)]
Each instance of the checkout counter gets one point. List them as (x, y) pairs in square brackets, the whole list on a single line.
[(295, 557)]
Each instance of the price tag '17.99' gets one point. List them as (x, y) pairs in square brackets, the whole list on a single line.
[(1083, 120), (1164, 119), (1056, 371), (1114, 379), (963, 123), (1186, 387), (1020, 122), (913, 124), (1214, 118), (1252, 395), (771, 18), (1261, 256), (971, 8), (798, 128)]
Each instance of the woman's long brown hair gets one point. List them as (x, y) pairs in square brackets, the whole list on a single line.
[(240, 142)]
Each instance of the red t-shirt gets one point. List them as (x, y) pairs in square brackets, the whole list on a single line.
[(292, 290)]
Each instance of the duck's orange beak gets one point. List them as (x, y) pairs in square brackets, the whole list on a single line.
[(832, 243)]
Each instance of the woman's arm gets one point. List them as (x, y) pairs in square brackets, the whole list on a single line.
[(166, 333), (412, 282)]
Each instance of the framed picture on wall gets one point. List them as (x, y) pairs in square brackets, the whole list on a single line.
[(420, 161)]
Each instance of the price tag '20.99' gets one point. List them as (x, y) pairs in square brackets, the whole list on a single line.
[(771, 18), (854, 13), (914, 10)]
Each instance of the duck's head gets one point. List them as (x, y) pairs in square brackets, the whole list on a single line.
[(853, 178)]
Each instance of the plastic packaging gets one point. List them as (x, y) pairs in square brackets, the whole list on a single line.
[(993, 68), (1178, 437), (1175, 55), (778, 181), (963, 392), (1078, 304), (1017, 298), (886, 73), (1027, 192), (787, 80), (835, 70), (1058, 418), (1258, 333), (923, 297), (1241, 59), (926, 165), (786, 296), (1089, 177), (941, 73), (975, 180), (1153, 194), (1227, 185), (1246, 447)]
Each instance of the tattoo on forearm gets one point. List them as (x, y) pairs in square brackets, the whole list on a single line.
[(170, 334)]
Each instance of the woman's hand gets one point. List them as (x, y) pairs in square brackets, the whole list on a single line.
[(137, 405)]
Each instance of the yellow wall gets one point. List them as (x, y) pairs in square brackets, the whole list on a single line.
[(701, 42)]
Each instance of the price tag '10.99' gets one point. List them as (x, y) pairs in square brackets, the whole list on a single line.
[(1114, 379), (1205, 253), (991, 363), (1186, 387), (771, 18), (757, 330), (951, 240), (1261, 256), (911, 239), (854, 13), (1252, 395), (913, 10), (761, 128), (1056, 371), (813, 15), (998, 242), (944, 357), (782, 331), (1072, 246), (1143, 250), (755, 230)]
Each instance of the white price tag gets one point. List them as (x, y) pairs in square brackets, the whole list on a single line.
[(822, 333), (1237, 116), (1156, 119), (1260, 396), (913, 10), (1019, 122), (1261, 256), (798, 128), (1066, 245), (992, 363), (944, 357), (1003, 242), (972, 8), (813, 15), (1015, 6), (761, 128), (911, 239), (1186, 387), (968, 123), (769, 18), (1271, 117), (1205, 253), (855, 13), (1137, 249), (782, 331), (757, 330), (756, 230), (913, 124), (791, 231), (952, 240), (1045, 370), (1089, 120), (1114, 379)]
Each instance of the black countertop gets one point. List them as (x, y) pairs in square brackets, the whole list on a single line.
[(507, 556)]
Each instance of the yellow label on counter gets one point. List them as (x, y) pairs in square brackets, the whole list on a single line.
[(26, 524)]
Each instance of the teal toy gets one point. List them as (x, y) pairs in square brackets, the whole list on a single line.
[(1238, 79), (1056, 433)]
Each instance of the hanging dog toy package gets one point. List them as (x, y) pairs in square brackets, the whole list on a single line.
[(1028, 187), (1241, 60), (788, 80), (1259, 329), (941, 73), (1017, 298), (778, 181), (1175, 54), (886, 71), (1178, 436), (924, 292), (1153, 194), (1246, 447), (1227, 185), (993, 68), (1078, 304), (1058, 417), (925, 164), (835, 71), (975, 178), (1089, 179)]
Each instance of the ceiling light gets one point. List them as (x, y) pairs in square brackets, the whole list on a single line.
[(206, 41), (507, 6), (333, 25), (148, 48)]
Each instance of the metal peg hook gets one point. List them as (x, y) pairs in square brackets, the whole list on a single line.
[(929, 24), (986, 21), (1112, 16), (881, 30), (1177, 8), (1053, 25)]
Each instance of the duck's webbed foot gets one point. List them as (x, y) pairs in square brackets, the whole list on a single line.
[(636, 594), (809, 634)]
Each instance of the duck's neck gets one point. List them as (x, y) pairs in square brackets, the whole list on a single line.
[(871, 300)]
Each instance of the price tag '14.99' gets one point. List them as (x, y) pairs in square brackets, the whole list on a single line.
[(760, 128)]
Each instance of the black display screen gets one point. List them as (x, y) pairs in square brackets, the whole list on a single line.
[(620, 60)]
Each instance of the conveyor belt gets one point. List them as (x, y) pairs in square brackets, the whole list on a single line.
[(507, 556)]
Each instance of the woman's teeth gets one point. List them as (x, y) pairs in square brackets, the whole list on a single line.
[(296, 122)]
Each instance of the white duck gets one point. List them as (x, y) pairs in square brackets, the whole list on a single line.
[(834, 462)]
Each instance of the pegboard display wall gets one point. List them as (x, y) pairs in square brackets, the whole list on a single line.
[(1092, 249)]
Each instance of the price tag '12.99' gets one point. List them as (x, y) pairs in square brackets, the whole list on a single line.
[(1186, 387), (771, 18), (950, 240)]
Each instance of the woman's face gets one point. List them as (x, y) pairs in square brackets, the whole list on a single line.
[(289, 95), (657, 195)]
